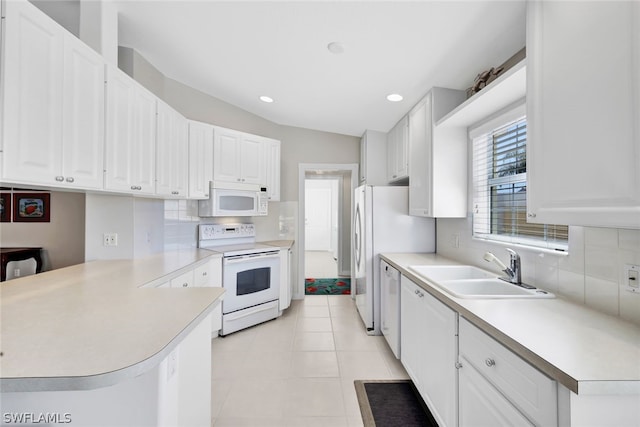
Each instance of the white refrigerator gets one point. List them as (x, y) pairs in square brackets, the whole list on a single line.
[(382, 224)]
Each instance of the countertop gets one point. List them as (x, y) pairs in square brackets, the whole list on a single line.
[(93, 325), (587, 351), (283, 244)]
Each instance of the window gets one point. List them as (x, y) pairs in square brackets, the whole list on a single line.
[(500, 185)]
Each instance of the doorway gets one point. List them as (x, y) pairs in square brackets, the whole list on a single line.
[(323, 200), (324, 230)]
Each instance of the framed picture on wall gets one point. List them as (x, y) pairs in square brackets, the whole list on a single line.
[(31, 207), (5, 207)]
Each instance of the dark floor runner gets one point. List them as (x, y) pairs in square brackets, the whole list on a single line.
[(392, 404)]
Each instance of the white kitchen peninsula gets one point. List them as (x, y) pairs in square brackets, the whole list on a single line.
[(89, 345)]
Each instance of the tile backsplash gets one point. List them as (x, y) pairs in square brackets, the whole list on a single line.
[(591, 273), (181, 222)]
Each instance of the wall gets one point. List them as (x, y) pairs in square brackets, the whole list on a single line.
[(139, 223), (62, 239)]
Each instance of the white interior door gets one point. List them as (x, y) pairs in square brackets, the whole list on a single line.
[(318, 217)]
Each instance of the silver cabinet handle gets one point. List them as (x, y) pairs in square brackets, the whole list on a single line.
[(531, 215), (204, 273), (184, 285), (133, 187), (490, 362), (59, 178), (70, 179)]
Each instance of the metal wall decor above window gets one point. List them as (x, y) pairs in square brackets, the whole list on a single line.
[(500, 185)]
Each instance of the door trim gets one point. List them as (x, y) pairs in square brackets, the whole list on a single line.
[(303, 168)]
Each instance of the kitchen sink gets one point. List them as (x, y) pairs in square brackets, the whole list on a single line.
[(465, 281)]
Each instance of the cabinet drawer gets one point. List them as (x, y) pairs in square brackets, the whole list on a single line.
[(527, 388), (183, 281)]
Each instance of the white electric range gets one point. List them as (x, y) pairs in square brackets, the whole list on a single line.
[(250, 274)]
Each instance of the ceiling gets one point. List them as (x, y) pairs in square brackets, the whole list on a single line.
[(239, 50)]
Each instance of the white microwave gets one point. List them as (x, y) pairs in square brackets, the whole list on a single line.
[(234, 200)]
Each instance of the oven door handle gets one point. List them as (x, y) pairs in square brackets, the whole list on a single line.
[(241, 258)]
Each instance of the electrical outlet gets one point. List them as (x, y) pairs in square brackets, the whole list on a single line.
[(454, 240), (110, 239), (632, 277)]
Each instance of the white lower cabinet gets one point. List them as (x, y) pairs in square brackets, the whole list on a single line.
[(429, 350), (497, 388), (210, 274), (481, 404)]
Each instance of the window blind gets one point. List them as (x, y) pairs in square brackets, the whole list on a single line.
[(500, 189)]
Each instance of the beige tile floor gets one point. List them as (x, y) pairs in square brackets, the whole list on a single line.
[(298, 370)]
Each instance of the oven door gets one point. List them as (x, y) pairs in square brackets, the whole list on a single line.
[(250, 280)]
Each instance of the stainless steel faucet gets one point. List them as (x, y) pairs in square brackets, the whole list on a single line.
[(513, 272)]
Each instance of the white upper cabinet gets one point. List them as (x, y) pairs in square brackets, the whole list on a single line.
[(272, 168), (226, 155), (373, 158), (398, 151), (583, 110), (53, 107), (438, 158), (130, 135), (251, 159), (172, 153), (83, 115), (240, 157), (200, 159)]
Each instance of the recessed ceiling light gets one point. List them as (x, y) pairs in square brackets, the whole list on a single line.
[(266, 99), (394, 97), (335, 47)]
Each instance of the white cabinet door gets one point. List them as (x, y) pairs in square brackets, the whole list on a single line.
[(438, 160), (373, 158), (440, 375), (130, 135), (32, 73), (420, 132), (402, 148), (272, 169), (412, 338), (171, 153), (583, 137), (144, 148), (83, 105), (251, 159), (226, 155), (397, 155), (200, 159), (119, 131), (429, 350)]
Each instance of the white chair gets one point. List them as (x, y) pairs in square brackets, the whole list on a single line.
[(25, 267)]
